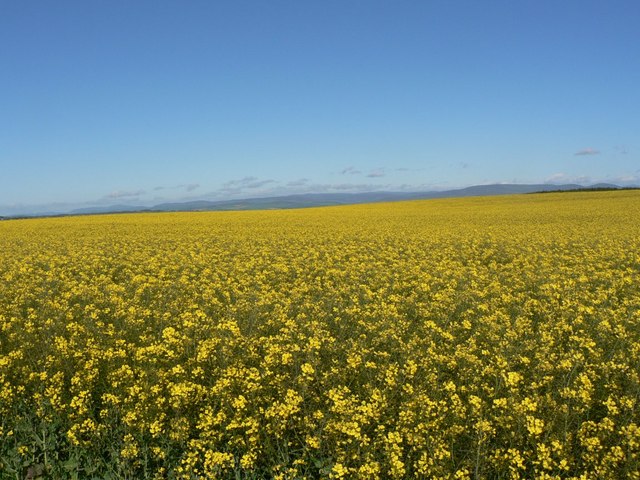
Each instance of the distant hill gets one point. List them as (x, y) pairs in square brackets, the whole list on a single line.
[(603, 186), (109, 209), (306, 200), (328, 199), (593, 188)]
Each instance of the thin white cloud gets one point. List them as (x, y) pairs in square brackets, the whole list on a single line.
[(189, 187), (354, 187), (259, 183), (125, 194), (377, 173), (587, 151), (625, 180), (350, 171), (241, 182), (558, 178), (239, 186), (628, 178), (298, 183), (405, 169)]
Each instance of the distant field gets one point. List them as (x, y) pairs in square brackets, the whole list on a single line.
[(489, 337)]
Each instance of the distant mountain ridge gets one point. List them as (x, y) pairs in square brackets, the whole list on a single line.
[(305, 200)]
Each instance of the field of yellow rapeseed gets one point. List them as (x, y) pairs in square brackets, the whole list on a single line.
[(492, 337)]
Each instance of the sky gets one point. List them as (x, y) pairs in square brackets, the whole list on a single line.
[(138, 103)]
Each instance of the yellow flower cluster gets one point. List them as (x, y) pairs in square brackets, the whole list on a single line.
[(467, 338)]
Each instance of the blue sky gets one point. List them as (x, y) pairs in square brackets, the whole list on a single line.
[(120, 102)]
